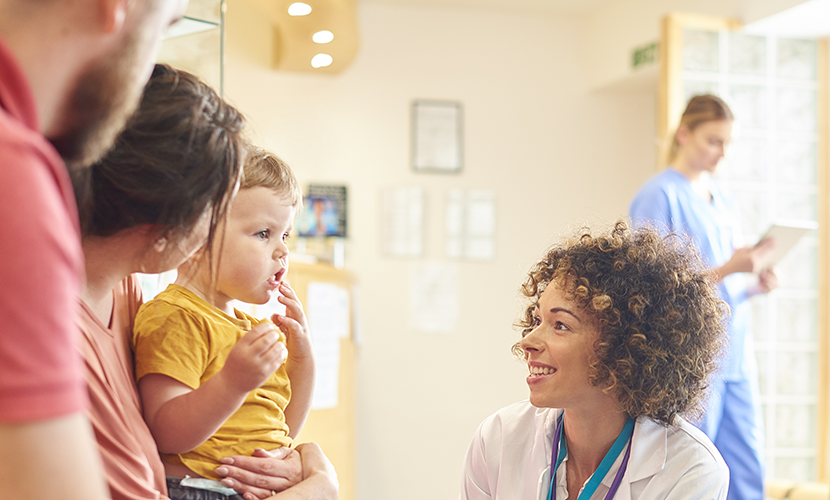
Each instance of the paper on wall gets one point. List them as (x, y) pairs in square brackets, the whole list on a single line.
[(470, 224), (434, 297), (402, 219), (327, 309)]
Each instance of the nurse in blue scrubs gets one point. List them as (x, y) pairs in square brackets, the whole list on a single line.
[(685, 198)]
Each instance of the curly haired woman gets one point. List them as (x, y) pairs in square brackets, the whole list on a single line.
[(620, 338)]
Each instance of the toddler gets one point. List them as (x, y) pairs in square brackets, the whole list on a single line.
[(213, 380)]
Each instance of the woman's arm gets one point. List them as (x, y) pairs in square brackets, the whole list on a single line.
[(748, 259), (300, 363), (304, 473), (182, 418)]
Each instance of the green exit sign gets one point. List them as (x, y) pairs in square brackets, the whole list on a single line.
[(645, 55)]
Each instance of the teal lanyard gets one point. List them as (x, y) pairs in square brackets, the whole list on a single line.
[(604, 466)]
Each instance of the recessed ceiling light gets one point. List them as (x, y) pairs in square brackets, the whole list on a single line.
[(299, 9), (321, 60), (324, 36)]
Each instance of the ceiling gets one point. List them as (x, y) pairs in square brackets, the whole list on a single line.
[(524, 6), (809, 19)]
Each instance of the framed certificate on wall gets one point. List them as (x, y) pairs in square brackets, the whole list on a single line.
[(437, 136)]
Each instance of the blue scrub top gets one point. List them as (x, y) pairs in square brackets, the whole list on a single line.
[(669, 200)]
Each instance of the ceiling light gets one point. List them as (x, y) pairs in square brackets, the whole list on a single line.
[(299, 9), (321, 60), (324, 36)]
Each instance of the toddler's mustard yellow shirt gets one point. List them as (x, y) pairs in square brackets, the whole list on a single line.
[(180, 335)]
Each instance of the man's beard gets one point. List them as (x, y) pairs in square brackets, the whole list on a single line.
[(105, 96)]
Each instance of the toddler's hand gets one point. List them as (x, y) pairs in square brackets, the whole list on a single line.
[(294, 323), (254, 358)]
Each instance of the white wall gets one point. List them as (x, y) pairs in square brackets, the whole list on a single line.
[(556, 153)]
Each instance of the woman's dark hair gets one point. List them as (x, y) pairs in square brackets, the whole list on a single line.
[(179, 154), (660, 320)]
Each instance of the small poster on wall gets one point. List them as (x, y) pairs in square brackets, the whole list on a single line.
[(324, 211), (402, 221), (437, 136), (434, 297), (470, 225)]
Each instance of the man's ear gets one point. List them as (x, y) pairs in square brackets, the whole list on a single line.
[(112, 14)]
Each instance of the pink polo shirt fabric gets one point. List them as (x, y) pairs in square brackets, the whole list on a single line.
[(41, 264)]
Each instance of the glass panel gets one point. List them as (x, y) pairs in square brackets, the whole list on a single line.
[(772, 170), (795, 373), (796, 109), (800, 206), (796, 425), (798, 269), (749, 105), (796, 58), (795, 162), (795, 468), (747, 54), (754, 209), (692, 88), (746, 160), (761, 308), (763, 371), (198, 53), (797, 320), (700, 51)]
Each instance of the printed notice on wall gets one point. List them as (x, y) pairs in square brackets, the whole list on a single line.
[(470, 224), (436, 136), (433, 297), (402, 219), (327, 306)]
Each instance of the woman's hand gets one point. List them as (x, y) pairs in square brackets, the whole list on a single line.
[(259, 476), (748, 259), (318, 473), (767, 282)]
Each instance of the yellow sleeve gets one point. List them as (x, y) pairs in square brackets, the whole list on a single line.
[(171, 340)]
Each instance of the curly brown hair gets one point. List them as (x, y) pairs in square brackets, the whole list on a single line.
[(660, 320)]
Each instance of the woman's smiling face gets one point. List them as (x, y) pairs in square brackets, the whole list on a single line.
[(559, 351)]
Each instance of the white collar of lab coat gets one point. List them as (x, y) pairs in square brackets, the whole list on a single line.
[(648, 454)]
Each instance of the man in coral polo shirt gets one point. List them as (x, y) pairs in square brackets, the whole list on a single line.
[(71, 72)]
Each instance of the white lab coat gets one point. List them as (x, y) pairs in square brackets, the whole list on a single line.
[(509, 459)]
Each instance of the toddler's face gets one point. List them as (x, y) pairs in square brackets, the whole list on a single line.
[(253, 255)]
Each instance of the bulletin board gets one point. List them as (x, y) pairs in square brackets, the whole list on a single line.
[(332, 428)]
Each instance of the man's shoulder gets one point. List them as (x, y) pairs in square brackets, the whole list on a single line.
[(19, 140)]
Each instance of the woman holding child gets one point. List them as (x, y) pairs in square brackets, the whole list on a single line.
[(620, 338), (148, 206)]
